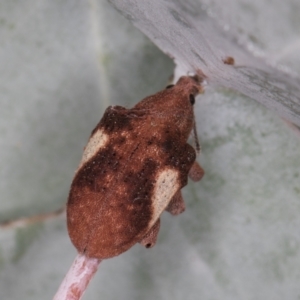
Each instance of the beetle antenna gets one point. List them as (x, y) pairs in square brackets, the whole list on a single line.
[(196, 140)]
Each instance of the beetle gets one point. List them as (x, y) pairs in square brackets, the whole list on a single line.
[(132, 169)]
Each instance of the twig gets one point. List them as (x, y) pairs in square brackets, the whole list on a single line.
[(78, 278), (24, 221)]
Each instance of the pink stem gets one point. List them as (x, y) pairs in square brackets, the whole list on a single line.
[(78, 278)]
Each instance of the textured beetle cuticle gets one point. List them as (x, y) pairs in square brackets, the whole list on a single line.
[(133, 168)]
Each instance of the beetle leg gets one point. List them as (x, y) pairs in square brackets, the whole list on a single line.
[(150, 238), (176, 205), (196, 172)]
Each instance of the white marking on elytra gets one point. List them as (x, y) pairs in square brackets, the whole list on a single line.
[(167, 184), (97, 141)]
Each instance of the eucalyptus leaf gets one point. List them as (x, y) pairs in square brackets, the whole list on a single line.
[(64, 62), (185, 31)]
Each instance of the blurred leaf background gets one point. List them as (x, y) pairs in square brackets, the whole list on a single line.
[(62, 63)]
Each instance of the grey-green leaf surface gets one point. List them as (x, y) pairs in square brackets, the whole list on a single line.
[(62, 63)]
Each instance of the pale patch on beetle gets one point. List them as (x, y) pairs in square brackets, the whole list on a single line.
[(97, 141), (166, 186)]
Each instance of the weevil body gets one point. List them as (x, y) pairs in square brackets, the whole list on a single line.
[(133, 168)]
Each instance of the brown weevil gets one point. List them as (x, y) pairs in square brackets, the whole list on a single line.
[(133, 168)]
